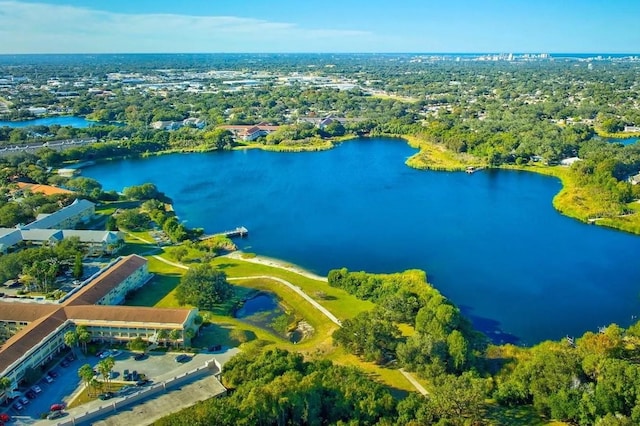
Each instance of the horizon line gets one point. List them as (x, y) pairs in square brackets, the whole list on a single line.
[(530, 52)]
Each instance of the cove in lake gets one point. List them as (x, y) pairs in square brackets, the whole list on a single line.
[(626, 141), (490, 241), (78, 122)]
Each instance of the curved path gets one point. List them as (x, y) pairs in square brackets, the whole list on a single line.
[(275, 263), (298, 290)]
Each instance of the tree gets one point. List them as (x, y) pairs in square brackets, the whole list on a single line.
[(78, 267), (368, 336), (163, 334), (219, 138), (146, 191), (457, 398), (84, 185), (132, 219), (105, 367), (44, 273), (84, 337), (86, 374), (5, 384), (71, 339), (175, 335), (137, 344), (204, 287)]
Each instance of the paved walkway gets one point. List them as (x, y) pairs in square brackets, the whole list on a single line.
[(277, 264), (414, 382), (168, 262), (298, 290)]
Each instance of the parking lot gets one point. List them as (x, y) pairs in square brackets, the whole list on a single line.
[(156, 366)]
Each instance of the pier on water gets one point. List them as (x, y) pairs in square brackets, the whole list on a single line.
[(240, 231)]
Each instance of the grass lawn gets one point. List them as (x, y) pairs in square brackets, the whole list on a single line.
[(436, 157), (89, 394), (293, 303), (393, 378), (232, 332), (339, 302)]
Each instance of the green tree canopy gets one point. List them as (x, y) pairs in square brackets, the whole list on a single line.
[(204, 287)]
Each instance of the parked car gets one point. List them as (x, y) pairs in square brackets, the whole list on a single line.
[(143, 382), (215, 348), (125, 390), (105, 354), (106, 395), (30, 394), (36, 389), (71, 357), (115, 353), (56, 407), (140, 357), (53, 374), (48, 379), (183, 358), (55, 414), (18, 406), (4, 417), (64, 363), (24, 400)]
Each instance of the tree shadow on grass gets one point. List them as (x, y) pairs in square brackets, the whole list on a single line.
[(226, 335), (226, 265)]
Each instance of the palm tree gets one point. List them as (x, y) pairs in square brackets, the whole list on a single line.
[(84, 336), (86, 374), (105, 367), (71, 339)]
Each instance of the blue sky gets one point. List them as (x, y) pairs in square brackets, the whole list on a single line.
[(85, 26)]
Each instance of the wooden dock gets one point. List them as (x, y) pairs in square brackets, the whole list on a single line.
[(472, 169), (240, 231)]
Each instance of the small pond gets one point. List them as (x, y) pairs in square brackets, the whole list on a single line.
[(264, 311)]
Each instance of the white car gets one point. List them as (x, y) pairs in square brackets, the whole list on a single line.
[(115, 353), (105, 354), (36, 389)]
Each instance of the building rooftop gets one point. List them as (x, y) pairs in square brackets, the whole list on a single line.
[(45, 319), (52, 220), (101, 286)]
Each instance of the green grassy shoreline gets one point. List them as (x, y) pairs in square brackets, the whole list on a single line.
[(573, 200)]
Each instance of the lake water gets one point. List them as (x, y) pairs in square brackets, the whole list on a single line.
[(490, 241), (627, 141), (72, 121)]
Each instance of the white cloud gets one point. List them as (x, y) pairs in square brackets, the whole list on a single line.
[(45, 28)]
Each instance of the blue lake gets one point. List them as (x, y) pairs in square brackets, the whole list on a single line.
[(490, 241), (72, 121), (627, 141)]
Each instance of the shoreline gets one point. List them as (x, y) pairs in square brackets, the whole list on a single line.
[(443, 161), (274, 263)]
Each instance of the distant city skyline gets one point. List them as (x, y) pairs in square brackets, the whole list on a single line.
[(282, 26)]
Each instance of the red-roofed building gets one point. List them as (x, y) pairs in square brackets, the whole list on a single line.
[(39, 328)]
